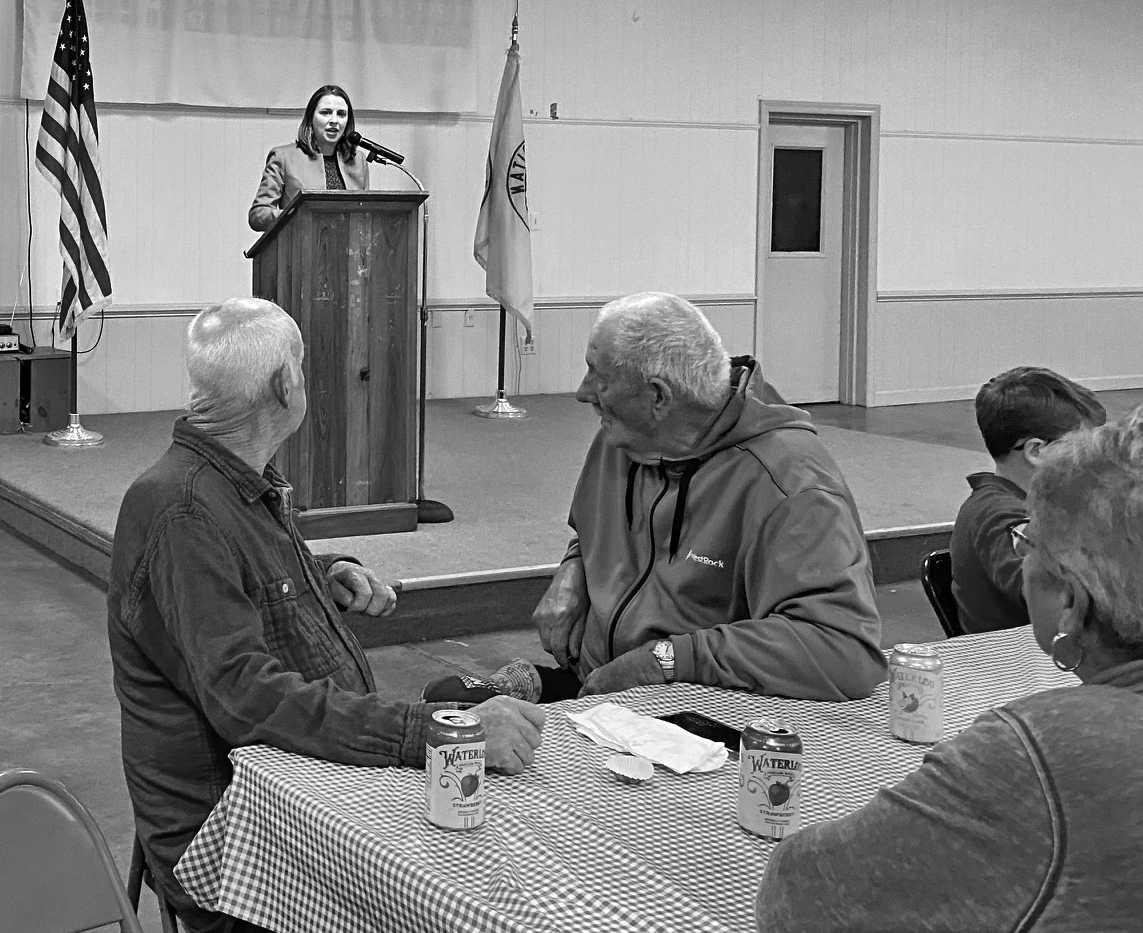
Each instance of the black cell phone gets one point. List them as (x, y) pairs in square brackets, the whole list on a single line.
[(707, 728)]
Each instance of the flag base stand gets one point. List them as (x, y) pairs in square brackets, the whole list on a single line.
[(432, 512), (74, 435), (501, 408)]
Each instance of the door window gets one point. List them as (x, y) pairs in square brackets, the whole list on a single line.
[(796, 199)]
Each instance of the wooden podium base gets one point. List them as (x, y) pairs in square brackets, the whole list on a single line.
[(348, 521)]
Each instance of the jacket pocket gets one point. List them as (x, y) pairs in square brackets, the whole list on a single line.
[(296, 631)]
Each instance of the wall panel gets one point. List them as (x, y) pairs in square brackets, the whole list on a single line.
[(939, 349), (1011, 213)]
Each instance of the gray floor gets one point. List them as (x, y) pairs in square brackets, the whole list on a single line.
[(60, 715)]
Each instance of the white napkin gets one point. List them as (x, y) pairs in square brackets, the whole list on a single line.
[(664, 743)]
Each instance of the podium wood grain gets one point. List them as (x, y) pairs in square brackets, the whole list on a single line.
[(344, 266)]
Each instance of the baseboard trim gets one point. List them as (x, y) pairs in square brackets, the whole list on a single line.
[(886, 397), (1009, 294)]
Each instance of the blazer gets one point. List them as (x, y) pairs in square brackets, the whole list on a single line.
[(288, 171)]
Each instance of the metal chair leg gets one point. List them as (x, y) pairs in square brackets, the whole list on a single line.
[(140, 874), (167, 915), (135, 875)]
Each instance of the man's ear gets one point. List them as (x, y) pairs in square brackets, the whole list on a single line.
[(663, 396), (1034, 451), (282, 384)]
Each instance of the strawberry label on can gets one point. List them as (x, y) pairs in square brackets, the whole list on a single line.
[(770, 780), (454, 770)]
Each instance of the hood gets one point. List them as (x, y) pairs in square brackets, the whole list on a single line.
[(743, 417)]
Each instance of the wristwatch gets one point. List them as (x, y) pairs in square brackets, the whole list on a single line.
[(664, 652)]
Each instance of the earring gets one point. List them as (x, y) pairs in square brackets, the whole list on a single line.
[(1056, 661)]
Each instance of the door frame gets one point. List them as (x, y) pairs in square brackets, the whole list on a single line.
[(862, 126)]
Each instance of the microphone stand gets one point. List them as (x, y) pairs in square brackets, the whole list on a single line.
[(429, 511)]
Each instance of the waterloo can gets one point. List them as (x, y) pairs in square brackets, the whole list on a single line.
[(769, 779), (454, 770), (916, 694)]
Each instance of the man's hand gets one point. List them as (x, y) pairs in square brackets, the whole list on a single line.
[(358, 589), (511, 733), (637, 668), (562, 612)]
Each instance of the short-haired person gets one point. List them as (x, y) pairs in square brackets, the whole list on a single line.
[(1019, 413), (1032, 818), (224, 627), (321, 157), (716, 541)]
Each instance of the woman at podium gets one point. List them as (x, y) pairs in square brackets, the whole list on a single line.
[(321, 157)]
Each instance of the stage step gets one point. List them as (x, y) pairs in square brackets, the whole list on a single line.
[(432, 608)]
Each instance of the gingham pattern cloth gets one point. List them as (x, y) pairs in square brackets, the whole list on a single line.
[(300, 845)]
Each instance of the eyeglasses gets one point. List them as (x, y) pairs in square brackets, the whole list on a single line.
[(1021, 543)]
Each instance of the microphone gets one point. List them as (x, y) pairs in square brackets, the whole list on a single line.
[(376, 150)]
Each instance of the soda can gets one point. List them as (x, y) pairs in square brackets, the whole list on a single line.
[(769, 779), (454, 770), (916, 694)]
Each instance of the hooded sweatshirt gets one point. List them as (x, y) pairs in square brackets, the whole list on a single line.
[(749, 556)]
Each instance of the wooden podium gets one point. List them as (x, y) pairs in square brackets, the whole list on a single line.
[(343, 264)]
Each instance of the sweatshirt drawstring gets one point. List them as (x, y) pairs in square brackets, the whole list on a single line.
[(680, 501), (681, 506), (631, 471)]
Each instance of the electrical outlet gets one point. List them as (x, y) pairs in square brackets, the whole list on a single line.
[(469, 317), (528, 347), (533, 221)]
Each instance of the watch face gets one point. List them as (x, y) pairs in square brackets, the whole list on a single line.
[(665, 650)]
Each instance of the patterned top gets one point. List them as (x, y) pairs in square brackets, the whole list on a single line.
[(333, 179)]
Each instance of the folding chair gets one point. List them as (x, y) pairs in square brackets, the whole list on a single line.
[(139, 875), (936, 578), (56, 872)]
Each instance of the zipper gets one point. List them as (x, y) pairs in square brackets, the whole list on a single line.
[(646, 573)]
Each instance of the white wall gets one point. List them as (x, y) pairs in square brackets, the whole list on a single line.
[(1011, 168)]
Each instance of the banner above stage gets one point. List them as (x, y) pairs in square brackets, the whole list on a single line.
[(405, 55)]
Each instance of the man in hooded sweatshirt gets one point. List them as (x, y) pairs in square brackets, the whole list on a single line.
[(716, 541)]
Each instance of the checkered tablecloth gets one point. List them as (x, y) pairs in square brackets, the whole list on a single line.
[(301, 845)]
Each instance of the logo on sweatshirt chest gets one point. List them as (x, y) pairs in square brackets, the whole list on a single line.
[(708, 561)]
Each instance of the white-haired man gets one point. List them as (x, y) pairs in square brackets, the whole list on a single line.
[(716, 541), (224, 627)]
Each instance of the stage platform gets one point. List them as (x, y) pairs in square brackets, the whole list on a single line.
[(509, 484)]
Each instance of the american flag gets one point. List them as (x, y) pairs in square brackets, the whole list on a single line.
[(67, 154)]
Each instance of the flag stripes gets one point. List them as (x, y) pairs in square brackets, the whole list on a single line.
[(67, 154)]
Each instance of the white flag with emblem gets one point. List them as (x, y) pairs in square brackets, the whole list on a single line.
[(503, 244)]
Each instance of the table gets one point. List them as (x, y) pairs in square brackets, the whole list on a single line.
[(298, 844)]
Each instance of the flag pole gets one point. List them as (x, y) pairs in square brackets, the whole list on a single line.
[(492, 236), (75, 434), (501, 408)]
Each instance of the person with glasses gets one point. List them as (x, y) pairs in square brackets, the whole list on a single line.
[(1032, 818), (1019, 413)]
